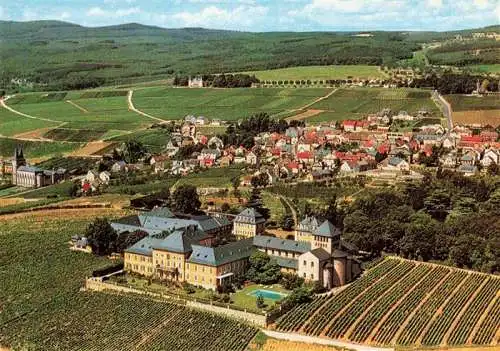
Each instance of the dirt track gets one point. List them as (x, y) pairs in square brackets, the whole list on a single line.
[(90, 149), (304, 115)]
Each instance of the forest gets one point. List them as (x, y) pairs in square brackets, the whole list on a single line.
[(447, 218)]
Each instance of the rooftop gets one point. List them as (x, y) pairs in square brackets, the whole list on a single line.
[(281, 244)]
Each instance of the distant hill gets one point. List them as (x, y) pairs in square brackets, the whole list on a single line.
[(61, 55)]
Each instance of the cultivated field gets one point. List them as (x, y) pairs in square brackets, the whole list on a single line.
[(358, 102), (470, 103), (320, 73), (475, 110), (405, 303), (43, 309), (225, 104), (36, 149)]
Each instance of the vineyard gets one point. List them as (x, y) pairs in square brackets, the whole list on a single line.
[(406, 303), (357, 103), (42, 308)]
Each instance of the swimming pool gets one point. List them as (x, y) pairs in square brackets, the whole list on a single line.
[(267, 294)]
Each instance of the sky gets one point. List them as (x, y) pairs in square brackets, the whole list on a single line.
[(264, 15)]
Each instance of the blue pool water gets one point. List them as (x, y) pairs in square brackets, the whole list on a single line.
[(272, 295)]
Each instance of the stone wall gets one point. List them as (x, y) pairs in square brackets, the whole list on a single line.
[(96, 284)]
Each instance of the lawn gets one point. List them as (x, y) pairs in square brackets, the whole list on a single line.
[(320, 73), (243, 298), (273, 203), (225, 104), (212, 177), (356, 103)]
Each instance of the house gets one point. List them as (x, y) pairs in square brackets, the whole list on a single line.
[(491, 156), (183, 256), (349, 125), (306, 227), (248, 223), (306, 157), (320, 259), (467, 170), (449, 160), (395, 164), (118, 166), (215, 143), (251, 158), (201, 120), (225, 161), (195, 82)]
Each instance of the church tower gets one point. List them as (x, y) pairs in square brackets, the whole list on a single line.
[(17, 162), (327, 237)]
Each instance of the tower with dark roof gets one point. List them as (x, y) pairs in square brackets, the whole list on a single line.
[(327, 237), (17, 162)]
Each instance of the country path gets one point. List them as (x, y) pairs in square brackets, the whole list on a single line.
[(74, 104), (131, 107), (321, 341), (294, 213), (309, 113), (4, 105)]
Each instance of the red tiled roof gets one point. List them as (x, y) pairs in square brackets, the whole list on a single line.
[(305, 155)]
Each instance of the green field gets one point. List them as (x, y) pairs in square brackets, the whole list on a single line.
[(494, 68), (12, 124), (36, 149), (320, 73), (155, 139), (212, 177), (225, 104), (356, 103), (469, 103), (42, 307)]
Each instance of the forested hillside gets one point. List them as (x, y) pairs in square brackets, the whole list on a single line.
[(57, 55)]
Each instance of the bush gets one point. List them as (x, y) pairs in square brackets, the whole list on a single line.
[(188, 288), (260, 302)]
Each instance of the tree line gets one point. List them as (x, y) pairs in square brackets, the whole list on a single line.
[(220, 80)]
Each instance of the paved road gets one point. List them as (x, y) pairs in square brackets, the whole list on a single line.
[(321, 341), (446, 107)]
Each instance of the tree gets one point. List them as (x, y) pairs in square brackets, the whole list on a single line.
[(185, 199), (438, 204), (126, 239), (259, 301), (132, 151), (287, 222), (101, 236), (291, 281), (262, 269), (419, 240), (225, 207), (73, 190), (493, 169)]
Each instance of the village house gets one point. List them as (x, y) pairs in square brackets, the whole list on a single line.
[(490, 156)]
